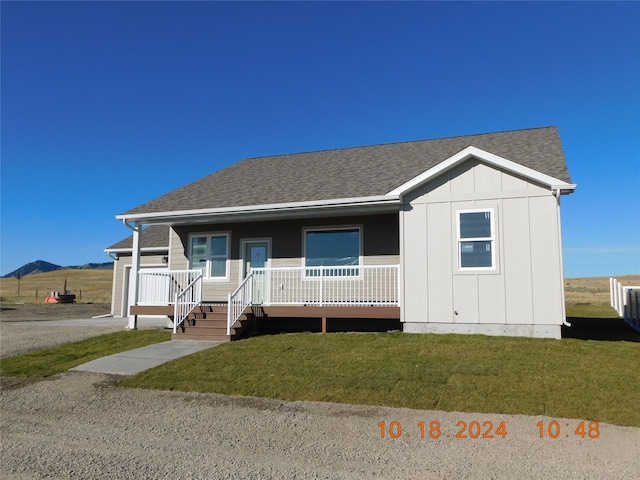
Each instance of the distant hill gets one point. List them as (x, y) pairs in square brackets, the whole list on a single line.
[(40, 266)]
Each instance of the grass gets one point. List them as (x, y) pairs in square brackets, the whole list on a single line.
[(44, 363), (591, 311), (89, 286), (594, 380), (593, 290)]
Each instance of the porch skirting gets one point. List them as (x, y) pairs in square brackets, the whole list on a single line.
[(535, 331)]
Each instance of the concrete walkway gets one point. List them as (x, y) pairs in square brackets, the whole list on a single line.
[(132, 361), (144, 358)]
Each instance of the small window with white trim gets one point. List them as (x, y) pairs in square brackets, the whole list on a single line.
[(476, 239), (210, 254)]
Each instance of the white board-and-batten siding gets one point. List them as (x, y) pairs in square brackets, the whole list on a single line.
[(521, 295)]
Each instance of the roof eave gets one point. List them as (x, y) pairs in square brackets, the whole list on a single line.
[(564, 188), (342, 206), (130, 249)]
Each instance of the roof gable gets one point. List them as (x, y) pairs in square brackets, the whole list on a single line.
[(486, 157), (358, 172)]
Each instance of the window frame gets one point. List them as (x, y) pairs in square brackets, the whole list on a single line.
[(491, 239), (209, 255), (357, 228)]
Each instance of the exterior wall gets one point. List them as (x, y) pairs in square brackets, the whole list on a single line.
[(380, 244), (522, 296), (121, 268)]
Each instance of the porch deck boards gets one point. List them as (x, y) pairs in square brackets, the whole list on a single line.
[(286, 311), (167, 310)]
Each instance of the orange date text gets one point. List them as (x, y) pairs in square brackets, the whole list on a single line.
[(434, 429)]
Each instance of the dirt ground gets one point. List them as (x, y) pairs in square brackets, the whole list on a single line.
[(19, 335), (67, 311)]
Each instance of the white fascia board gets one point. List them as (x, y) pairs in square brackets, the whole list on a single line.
[(275, 208), (129, 250), (490, 158)]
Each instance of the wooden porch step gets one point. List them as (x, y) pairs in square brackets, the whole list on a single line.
[(217, 317), (213, 330), (208, 330), (212, 308), (206, 336), (206, 322), (202, 338)]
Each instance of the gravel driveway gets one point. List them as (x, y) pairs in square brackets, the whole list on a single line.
[(76, 425)]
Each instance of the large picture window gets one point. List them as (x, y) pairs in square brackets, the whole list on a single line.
[(333, 248), (210, 253), (476, 240)]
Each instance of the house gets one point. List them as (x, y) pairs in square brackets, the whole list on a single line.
[(451, 235)]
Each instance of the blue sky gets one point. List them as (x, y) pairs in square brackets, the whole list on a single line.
[(106, 105)]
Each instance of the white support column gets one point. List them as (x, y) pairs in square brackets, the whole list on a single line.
[(135, 268)]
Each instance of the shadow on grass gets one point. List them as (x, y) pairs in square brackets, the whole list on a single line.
[(582, 328), (274, 325), (611, 329)]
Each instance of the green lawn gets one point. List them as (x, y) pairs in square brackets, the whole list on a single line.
[(591, 311), (586, 379), (574, 378), (44, 363)]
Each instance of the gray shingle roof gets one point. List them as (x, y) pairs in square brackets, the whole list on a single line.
[(155, 236), (353, 172)]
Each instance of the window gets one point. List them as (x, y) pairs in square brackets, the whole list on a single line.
[(332, 248), (476, 240), (209, 253)]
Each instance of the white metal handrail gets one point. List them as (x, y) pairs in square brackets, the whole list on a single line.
[(372, 285), (239, 300), (161, 287), (186, 301)]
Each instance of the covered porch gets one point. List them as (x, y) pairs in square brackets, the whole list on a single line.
[(345, 292)]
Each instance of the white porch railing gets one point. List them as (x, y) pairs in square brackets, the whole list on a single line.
[(239, 300), (161, 287), (370, 285), (180, 288), (186, 301), (626, 301), (366, 285)]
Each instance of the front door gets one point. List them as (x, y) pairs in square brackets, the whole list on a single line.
[(256, 255)]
